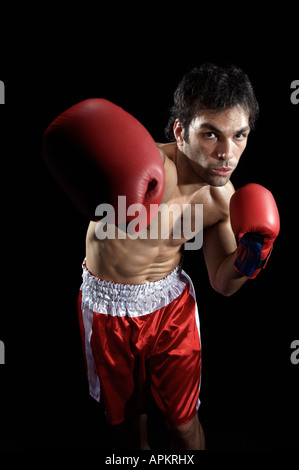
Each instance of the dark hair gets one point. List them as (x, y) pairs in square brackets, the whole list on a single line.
[(211, 87)]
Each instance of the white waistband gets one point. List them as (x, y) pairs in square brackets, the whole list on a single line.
[(131, 299)]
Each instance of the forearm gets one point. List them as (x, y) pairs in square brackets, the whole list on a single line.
[(227, 280)]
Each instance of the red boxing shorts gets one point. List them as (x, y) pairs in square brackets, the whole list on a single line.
[(140, 340)]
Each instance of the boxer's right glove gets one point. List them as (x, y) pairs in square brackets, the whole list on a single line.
[(255, 222), (97, 152)]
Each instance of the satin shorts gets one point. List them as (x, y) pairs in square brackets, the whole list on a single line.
[(142, 342)]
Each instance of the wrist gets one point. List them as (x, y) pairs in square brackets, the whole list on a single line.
[(252, 256)]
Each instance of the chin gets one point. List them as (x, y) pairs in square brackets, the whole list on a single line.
[(217, 181)]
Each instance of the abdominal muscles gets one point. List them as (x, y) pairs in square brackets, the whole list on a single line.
[(131, 261)]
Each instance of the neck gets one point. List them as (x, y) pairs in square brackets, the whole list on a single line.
[(188, 180)]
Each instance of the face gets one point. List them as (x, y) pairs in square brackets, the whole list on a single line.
[(216, 143)]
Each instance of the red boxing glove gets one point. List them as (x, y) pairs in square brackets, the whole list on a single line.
[(255, 222), (97, 152)]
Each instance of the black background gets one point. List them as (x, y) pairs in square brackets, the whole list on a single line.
[(249, 386)]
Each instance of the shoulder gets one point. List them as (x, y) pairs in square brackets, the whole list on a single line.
[(168, 148), (171, 175), (168, 155)]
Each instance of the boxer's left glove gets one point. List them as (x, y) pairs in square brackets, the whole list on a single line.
[(255, 222), (97, 152)]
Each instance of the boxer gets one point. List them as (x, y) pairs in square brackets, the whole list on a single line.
[(137, 306)]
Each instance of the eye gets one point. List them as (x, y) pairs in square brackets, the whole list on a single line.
[(240, 136), (209, 135)]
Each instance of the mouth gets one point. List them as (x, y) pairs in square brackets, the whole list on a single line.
[(222, 171)]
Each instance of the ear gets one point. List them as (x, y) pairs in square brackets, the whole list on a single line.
[(178, 131)]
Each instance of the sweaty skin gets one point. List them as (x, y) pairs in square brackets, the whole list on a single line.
[(197, 172)]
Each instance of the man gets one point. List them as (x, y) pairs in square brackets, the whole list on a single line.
[(137, 308)]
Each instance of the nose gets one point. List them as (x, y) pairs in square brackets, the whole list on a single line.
[(223, 156), (224, 151)]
